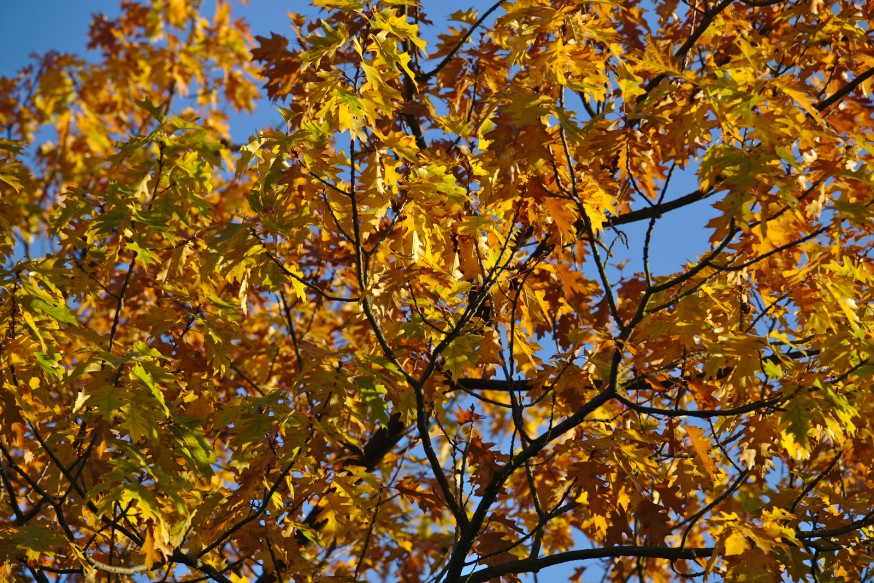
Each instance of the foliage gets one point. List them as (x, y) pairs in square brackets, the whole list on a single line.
[(398, 337)]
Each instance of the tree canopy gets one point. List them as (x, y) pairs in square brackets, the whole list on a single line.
[(419, 330)]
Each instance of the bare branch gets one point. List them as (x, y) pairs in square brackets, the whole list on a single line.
[(844, 91), (536, 564), (425, 77)]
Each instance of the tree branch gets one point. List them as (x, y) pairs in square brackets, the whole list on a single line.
[(866, 520), (535, 564), (425, 77), (843, 91), (812, 484), (700, 414), (657, 211), (684, 49), (309, 285), (470, 531)]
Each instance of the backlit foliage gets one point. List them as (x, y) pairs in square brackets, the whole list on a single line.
[(420, 330)]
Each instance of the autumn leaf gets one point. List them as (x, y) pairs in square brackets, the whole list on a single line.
[(700, 445), (537, 285)]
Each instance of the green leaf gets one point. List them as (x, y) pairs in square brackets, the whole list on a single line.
[(191, 443), (798, 418), (772, 370), (140, 423), (323, 45), (141, 373), (106, 398), (145, 256), (59, 313), (152, 109), (373, 396), (39, 538), (50, 363), (460, 354)]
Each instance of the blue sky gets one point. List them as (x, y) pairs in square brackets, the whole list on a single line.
[(37, 26)]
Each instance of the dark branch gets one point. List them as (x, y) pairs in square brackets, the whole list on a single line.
[(368, 457), (657, 211), (378, 446), (681, 53), (704, 413), (470, 530), (301, 280), (502, 385), (866, 520), (425, 77), (535, 564), (843, 91)]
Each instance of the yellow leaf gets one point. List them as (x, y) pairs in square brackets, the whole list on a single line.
[(150, 548), (802, 98), (598, 203), (794, 449), (736, 544), (702, 449), (846, 304), (564, 217), (489, 350), (28, 319)]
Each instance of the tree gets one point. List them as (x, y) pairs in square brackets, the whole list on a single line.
[(419, 332)]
